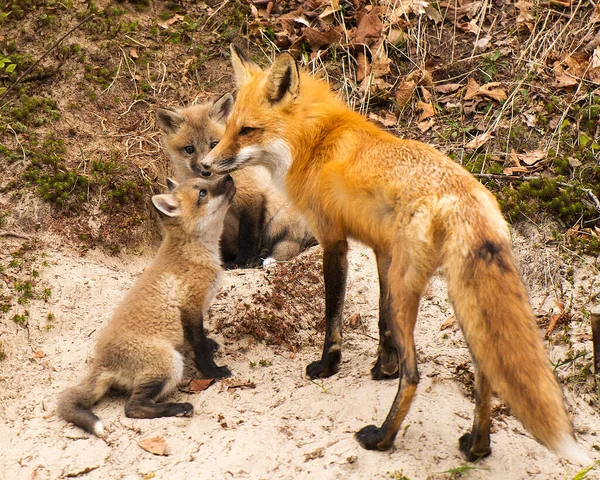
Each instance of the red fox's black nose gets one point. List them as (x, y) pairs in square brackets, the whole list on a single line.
[(228, 178)]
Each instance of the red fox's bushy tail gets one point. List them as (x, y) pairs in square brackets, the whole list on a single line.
[(492, 307), (75, 402)]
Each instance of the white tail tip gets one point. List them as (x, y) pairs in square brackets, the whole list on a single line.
[(98, 429), (269, 262), (571, 451)]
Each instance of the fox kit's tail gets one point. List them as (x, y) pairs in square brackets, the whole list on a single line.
[(74, 403), (492, 307)]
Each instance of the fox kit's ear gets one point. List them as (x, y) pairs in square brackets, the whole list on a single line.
[(166, 204), (283, 78), (242, 65), (171, 184), (168, 119), (221, 108)]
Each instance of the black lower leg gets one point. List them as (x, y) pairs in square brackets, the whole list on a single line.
[(203, 349), (476, 444), (387, 356), (335, 269), (142, 403)]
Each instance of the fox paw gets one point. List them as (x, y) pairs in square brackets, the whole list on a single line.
[(320, 369), (465, 444), (383, 371), (183, 410), (213, 346), (371, 437), (216, 372)]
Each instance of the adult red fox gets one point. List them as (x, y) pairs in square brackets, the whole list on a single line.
[(418, 210), (139, 349)]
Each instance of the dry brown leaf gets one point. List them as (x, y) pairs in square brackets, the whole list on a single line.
[(487, 90), (355, 320), (513, 158), (428, 110), (380, 63), (364, 66), (387, 119), (396, 36), (421, 77), (167, 23), (513, 170), (447, 87), (39, 354), (426, 125), (317, 39), (470, 26), (468, 9), (134, 54), (200, 384), (525, 17), (155, 445), (480, 140), (404, 92), (531, 158), (369, 27), (447, 323)]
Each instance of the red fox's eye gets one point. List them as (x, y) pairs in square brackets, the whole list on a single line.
[(246, 130), (189, 149), (213, 144)]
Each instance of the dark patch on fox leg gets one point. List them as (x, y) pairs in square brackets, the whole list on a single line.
[(387, 356), (142, 403), (476, 443), (203, 349), (335, 270)]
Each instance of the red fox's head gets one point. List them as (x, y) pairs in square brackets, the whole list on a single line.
[(196, 207), (254, 133)]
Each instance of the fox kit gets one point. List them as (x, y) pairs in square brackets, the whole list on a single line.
[(418, 210), (139, 349), (260, 224)]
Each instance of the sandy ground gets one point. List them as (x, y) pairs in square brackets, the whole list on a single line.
[(286, 426)]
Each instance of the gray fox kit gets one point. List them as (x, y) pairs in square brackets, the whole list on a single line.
[(139, 349)]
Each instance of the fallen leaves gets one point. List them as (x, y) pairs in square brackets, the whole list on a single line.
[(488, 90), (199, 385), (155, 445), (480, 140)]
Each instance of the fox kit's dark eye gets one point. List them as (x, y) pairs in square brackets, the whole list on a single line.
[(246, 130), (202, 193), (189, 149), (213, 144)]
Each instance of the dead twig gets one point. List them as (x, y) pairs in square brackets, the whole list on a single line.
[(46, 54), (15, 234)]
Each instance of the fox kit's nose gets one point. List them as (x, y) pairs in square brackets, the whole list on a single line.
[(205, 166)]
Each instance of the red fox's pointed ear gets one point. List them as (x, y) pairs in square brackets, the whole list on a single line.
[(167, 205), (168, 119), (221, 108), (242, 65), (283, 78)]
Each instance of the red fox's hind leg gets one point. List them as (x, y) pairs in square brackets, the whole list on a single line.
[(335, 270), (476, 444), (387, 356), (143, 404), (407, 277)]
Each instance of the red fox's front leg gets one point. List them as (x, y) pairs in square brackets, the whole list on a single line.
[(387, 356), (335, 270)]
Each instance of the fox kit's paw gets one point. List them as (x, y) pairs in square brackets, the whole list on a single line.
[(216, 372), (371, 437), (321, 369), (182, 409), (465, 444)]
